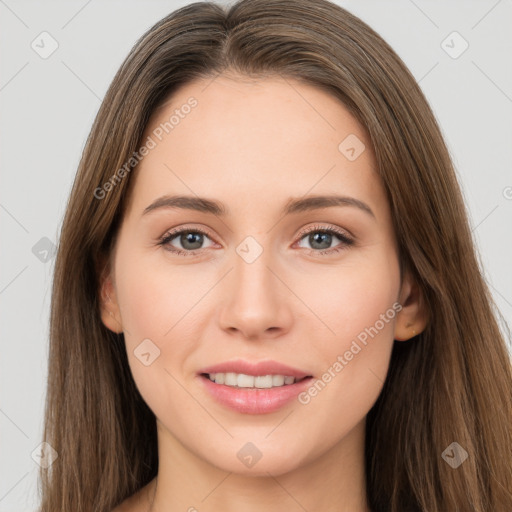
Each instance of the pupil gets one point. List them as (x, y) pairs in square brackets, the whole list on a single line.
[(189, 237), (324, 236)]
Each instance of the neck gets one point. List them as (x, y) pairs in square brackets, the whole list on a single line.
[(333, 482)]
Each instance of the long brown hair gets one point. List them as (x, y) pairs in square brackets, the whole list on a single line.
[(451, 383)]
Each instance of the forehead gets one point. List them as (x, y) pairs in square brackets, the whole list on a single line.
[(229, 136), (282, 112)]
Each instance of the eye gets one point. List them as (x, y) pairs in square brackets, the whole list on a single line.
[(190, 240), (321, 237)]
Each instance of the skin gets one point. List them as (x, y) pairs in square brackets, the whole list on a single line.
[(252, 145)]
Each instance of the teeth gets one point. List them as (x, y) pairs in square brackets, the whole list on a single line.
[(230, 379), (278, 380), (249, 381)]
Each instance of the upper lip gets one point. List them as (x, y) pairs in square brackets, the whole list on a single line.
[(255, 369)]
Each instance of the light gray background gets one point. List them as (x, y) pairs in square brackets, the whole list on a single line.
[(48, 106)]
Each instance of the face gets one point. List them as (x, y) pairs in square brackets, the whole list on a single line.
[(258, 273)]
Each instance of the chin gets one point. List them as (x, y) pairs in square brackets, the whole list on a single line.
[(254, 459)]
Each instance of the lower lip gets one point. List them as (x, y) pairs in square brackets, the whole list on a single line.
[(255, 400)]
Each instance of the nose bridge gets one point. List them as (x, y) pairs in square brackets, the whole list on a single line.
[(255, 302), (251, 272)]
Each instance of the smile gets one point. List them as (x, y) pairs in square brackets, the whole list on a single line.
[(241, 380)]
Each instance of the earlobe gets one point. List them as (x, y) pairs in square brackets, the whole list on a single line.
[(108, 303), (412, 318)]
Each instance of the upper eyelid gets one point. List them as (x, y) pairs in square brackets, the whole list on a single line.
[(317, 227), (327, 227)]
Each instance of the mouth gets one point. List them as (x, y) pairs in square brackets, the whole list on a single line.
[(249, 388), (242, 380), (253, 387)]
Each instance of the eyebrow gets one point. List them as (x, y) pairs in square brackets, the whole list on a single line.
[(294, 205)]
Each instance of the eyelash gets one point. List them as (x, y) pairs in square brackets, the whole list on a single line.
[(346, 240)]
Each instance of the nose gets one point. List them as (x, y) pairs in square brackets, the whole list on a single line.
[(255, 302)]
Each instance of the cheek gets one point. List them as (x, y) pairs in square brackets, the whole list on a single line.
[(364, 311), (348, 300), (353, 354), (156, 303), (155, 297)]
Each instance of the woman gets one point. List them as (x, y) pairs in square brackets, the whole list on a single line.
[(266, 294)]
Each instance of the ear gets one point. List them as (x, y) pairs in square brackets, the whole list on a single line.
[(413, 317), (110, 314)]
